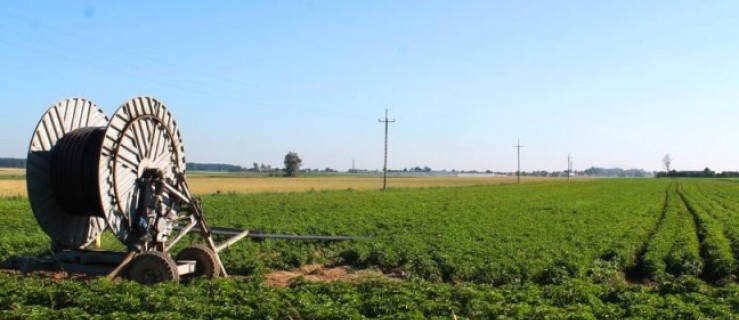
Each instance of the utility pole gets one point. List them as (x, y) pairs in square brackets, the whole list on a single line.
[(384, 167), (518, 146), (569, 166)]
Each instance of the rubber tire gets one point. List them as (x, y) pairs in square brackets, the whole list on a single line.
[(152, 267), (206, 264)]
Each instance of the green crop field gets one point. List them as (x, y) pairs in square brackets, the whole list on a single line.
[(629, 248)]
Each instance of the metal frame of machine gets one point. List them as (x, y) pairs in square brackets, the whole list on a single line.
[(87, 173)]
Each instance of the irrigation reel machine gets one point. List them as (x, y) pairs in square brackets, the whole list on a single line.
[(87, 173)]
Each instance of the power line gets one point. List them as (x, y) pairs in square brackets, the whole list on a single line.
[(518, 146), (384, 167), (155, 74)]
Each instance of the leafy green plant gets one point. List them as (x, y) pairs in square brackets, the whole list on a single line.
[(538, 250)]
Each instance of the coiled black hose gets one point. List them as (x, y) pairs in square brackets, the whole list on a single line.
[(74, 171)]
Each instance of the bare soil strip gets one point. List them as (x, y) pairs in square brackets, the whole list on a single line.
[(322, 273)]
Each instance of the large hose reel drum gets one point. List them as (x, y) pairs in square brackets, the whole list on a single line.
[(85, 171)]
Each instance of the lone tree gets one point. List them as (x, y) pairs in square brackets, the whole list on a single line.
[(667, 161), (292, 164)]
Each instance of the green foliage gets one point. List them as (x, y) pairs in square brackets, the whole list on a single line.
[(292, 164), (37, 298), (718, 199), (715, 246), (534, 251), (543, 233), (19, 232), (674, 247)]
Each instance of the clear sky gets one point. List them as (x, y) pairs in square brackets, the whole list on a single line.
[(615, 83)]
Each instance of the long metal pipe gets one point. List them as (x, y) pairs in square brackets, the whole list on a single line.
[(235, 232)]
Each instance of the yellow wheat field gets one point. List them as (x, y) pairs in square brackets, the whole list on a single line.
[(12, 183), (254, 185), (12, 188), (11, 171)]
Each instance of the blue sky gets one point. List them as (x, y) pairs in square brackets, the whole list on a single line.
[(618, 83)]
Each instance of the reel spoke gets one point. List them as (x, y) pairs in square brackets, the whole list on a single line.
[(149, 142)]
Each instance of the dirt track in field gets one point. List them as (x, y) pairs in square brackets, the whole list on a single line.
[(281, 279), (322, 273)]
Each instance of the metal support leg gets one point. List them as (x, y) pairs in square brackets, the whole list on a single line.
[(212, 245), (123, 264), (181, 233)]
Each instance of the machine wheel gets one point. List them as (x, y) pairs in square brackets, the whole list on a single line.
[(206, 264), (152, 267)]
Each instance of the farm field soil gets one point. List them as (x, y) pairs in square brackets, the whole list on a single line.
[(631, 248)]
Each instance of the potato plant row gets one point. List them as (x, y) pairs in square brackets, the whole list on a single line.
[(542, 232), (674, 246), (722, 203), (684, 298), (535, 251), (715, 245)]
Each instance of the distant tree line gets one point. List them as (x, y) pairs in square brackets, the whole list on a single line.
[(224, 167), (12, 163), (706, 173), (414, 169), (428, 169), (616, 172), (590, 172), (543, 173), (192, 166)]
